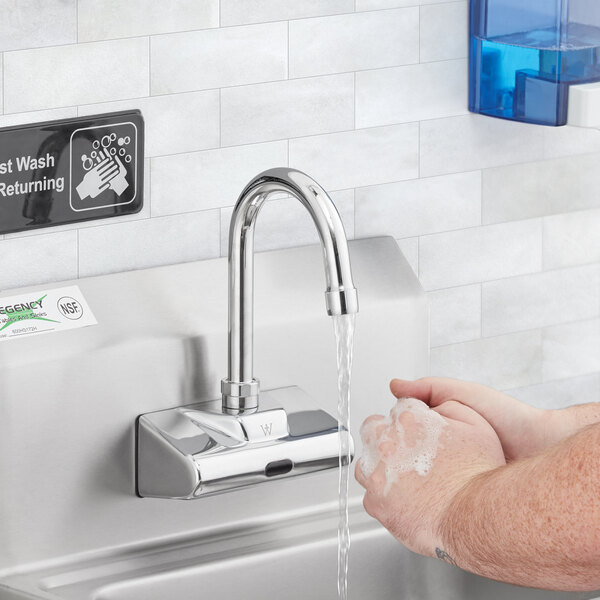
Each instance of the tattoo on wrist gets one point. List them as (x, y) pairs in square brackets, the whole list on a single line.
[(443, 555)]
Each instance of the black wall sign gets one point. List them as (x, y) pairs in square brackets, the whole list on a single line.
[(71, 170)]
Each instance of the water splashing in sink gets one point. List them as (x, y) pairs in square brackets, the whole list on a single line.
[(344, 335)]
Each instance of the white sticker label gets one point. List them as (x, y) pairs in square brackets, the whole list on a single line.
[(44, 312)]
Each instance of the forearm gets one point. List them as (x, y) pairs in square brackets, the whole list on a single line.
[(534, 522), (560, 424)]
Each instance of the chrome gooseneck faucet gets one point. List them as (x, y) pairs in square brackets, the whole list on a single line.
[(223, 444), (240, 389)]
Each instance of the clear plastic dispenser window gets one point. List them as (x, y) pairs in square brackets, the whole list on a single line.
[(526, 54)]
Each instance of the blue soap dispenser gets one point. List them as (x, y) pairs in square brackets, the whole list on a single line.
[(528, 56)]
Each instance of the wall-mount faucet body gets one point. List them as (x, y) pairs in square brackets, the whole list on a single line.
[(210, 447)]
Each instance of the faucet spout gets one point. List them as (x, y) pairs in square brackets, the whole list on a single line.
[(240, 389)]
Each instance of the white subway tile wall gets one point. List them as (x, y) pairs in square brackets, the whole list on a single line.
[(35, 23), (359, 158), (410, 93), (353, 42), (201, 60), (76, 74), (480, 254), (455, 315), (109, 19), (436, 20), (500, 221), (560, 393), (287, 109), (243, 12)]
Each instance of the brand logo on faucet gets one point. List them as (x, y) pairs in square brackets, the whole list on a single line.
[(71, 170), (267, 428)]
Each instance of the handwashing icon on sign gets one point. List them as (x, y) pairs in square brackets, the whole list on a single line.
[(104, 166)]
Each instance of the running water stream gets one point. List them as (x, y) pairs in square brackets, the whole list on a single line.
[(344, 335)]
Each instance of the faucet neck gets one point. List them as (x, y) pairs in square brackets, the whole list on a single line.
[(240, 389)]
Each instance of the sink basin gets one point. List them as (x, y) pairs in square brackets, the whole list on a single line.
[(295, 560)]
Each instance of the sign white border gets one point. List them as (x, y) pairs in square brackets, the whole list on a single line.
[(71, 167)]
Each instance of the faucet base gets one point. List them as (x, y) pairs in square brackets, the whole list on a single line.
[(239, 396), (197, 450)]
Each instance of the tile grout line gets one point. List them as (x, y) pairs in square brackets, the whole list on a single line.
[(220, 230), (487, 282), (236, 25), (354, 111), (150, 187), (419, 169), (300, 137), (354, 127), (481, 284), (557, 381), (481, 311), (354, 213), (543, 235), (220, 118), (254, 83), (419, 36), (518, 332), (149, 66)]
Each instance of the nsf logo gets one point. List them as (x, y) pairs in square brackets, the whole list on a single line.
[(70, 308)]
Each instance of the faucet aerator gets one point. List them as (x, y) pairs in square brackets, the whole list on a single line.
[(342, 302)]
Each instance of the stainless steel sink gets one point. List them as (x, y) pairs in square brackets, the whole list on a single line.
[(71, 526), (295, 560)]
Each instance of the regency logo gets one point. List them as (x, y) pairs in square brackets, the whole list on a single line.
[(32, 310)]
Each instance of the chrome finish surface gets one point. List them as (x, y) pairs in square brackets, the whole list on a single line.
[(240, 389), (198, 450)]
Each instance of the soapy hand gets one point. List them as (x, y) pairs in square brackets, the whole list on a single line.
[(523, 430), (416, 461)]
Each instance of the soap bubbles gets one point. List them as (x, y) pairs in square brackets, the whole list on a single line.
[(105, 149), (406, 440), (87, 162)]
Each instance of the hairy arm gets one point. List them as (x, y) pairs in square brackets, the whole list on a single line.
[(536, 521)]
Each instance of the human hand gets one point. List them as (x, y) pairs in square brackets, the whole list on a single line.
[(119, 182), (97, 179), (523, 430), (416, 461)]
